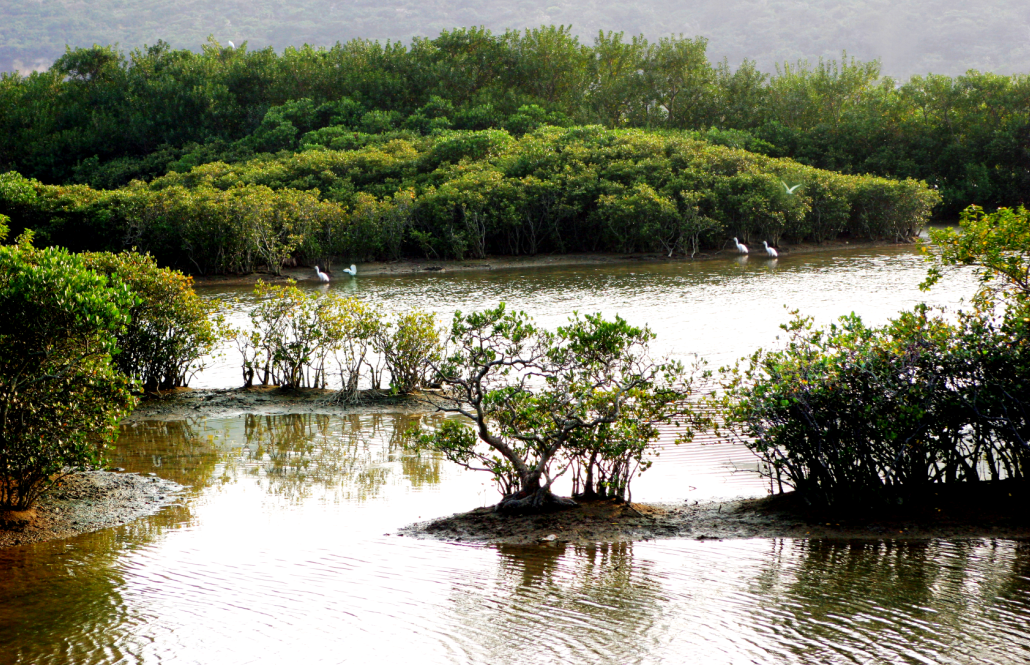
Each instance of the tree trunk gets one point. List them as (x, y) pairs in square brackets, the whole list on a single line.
[(540, 500)]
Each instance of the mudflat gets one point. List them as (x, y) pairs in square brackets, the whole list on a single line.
[(984, 510), (415, 266), (85, 502)]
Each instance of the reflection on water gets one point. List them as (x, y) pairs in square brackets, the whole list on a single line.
[(339, 457), (720, 310), (283, 549), (282, 553), (595, 603), (350, 456)]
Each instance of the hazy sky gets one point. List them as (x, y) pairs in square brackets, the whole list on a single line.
[(910, 36)]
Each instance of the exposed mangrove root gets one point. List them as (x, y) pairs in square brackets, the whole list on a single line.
[(538, 502)]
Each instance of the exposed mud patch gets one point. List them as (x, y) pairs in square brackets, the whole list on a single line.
[(988, 511), (415, 266), (85, 502), (262, 400)]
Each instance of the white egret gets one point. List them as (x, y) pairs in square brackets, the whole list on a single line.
[(741, 247), (322, 277), (231, 45), (769, 250), (790, 190), (353, 270)]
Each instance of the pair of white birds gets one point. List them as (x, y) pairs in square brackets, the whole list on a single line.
[(742, 248), (322, 277)]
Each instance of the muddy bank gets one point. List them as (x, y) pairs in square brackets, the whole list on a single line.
[(262, 400), (995, 513), (85, 502), (410, 266)]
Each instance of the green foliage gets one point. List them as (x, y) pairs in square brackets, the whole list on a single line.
[(851, 415), (860, 416), (236, 230), (410, 346), (170, 328), (947, 36), (469, 194), (586, 398), (295, 339), (103, 118), (292, 337), (61, 396), (998, 244), (361, 328)]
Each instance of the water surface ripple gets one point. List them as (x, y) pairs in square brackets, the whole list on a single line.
[(285, 549)]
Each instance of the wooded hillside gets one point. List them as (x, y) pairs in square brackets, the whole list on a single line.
[(909, 36)]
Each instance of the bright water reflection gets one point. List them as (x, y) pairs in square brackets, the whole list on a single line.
[(279, 553), (720, 309)]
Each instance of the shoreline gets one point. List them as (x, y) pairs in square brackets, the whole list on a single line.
[(967, 513), (183, 403), (418, 266), (88, 501), (982, 510)]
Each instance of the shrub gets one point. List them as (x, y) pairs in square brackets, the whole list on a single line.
[(409, 346), (361, 326), (852, 414), (540, 403), (858, 415), (292, 337), (170, 330), (60, 394)]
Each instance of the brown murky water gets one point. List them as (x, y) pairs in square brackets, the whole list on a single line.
[(284, 551)]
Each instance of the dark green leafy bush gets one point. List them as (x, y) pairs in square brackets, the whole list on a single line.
[(170, 329), (61, 396), (857, 416), (585, 399)]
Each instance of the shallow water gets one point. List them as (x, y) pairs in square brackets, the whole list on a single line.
[(285, 547), (719, 310)]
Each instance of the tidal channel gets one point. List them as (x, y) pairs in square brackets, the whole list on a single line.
[(285, 548)]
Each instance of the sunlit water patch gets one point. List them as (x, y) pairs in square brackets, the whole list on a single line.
[(285, 548), (719, 310), (286, 551)]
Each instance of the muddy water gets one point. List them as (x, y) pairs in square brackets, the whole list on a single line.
[(285, 550)]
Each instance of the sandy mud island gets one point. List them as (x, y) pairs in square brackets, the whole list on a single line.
[(100, 499), (88, 501)]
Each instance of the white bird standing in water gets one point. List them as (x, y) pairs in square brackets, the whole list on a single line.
[(769, 250), (790, 190), (353, 270), (322, 277), (741, 247)]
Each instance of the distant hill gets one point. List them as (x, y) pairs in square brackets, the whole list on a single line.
[(909, 36)]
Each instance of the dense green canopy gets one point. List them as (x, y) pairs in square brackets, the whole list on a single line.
[(459, 193), (103, 118), (911, 36)]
